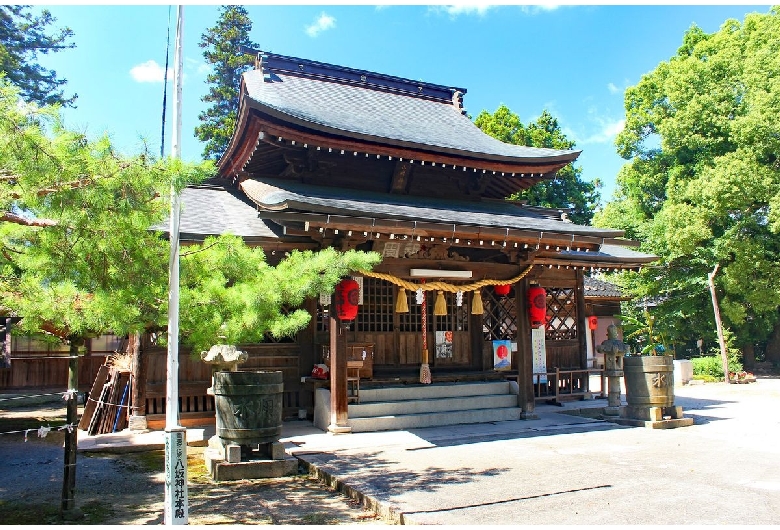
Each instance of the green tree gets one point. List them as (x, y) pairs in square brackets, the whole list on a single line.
[(567, 190), (224, 49), (702, 185), (22, 38), (78, 256), (231, 295)]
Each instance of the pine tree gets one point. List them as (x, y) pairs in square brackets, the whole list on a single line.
[(22, 37), (224, 46)]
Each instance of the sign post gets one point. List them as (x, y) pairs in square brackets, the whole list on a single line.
[(176, 499)]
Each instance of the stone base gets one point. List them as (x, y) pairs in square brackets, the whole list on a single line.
[(222, 465), (137, 423), (652, 417), (529, 416), (339, 429), (612, 411)]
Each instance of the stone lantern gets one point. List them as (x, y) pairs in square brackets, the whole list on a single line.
[(613, 349)]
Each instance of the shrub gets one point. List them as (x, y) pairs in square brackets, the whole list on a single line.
[(707, 366), (712, 366)]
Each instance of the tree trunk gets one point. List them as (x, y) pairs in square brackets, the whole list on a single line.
[(773, 346), (749, 356), (721, 340)]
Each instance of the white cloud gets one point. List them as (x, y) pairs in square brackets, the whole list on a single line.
[(607, 132), (613, 89), (324, 22), (467, 9), (150, 72), (534, 9)]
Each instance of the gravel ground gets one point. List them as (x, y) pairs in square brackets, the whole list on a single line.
[(128, 488)]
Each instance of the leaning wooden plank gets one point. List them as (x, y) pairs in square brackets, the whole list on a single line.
[(107, 422), (94, 395), (97, 416), (124, 380)]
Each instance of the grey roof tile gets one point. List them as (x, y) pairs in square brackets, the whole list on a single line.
[(369, 112), (611, 253), (596, 288), (213, 210), (288, 195)]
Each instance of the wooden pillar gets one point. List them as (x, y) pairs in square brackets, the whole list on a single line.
[(338, 375), (525, 361), (68, 504), (137, 419), (582, 320)]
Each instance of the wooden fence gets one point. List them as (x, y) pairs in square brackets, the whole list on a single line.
[(195, 403), (45, 370), (49, 370)]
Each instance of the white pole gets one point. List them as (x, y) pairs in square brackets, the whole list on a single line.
[(176, 501)]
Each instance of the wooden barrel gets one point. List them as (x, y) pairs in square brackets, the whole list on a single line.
[(248, 406), (649, 380)]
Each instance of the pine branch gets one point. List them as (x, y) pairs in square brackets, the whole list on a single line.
[(18, 219)]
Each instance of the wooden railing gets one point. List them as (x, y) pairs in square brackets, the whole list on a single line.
[(563, 385)]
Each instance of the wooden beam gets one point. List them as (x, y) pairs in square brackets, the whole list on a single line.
[(512, 170)]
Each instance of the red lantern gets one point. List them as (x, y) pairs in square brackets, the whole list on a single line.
[(347, 297), (502, 290), (537, 306), (593, 322)]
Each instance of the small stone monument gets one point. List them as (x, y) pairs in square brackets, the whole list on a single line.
[(222, 357), (613, 349)]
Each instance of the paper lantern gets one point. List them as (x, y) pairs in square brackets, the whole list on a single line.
[(593, 322), (347, 298), (537, 306), (502, 290)]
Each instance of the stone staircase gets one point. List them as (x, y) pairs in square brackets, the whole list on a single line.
[(417, 406)]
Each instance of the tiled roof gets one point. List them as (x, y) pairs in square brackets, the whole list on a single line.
[(334, 99), (611, 253), (595, 288), (213, 210), (288, 195)]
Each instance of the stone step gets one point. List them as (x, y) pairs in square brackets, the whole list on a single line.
[(433, 391), (418, 406), (433, 419)]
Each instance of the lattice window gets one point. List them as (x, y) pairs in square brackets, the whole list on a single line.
[(268, 337), (411, 322), (562, 313), (323, 317), (456, 319), (499, 321), (376, 313)]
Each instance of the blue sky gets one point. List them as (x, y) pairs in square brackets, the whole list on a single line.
[(573, 60)]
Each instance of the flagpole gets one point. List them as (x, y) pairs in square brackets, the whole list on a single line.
[(176, 498)]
